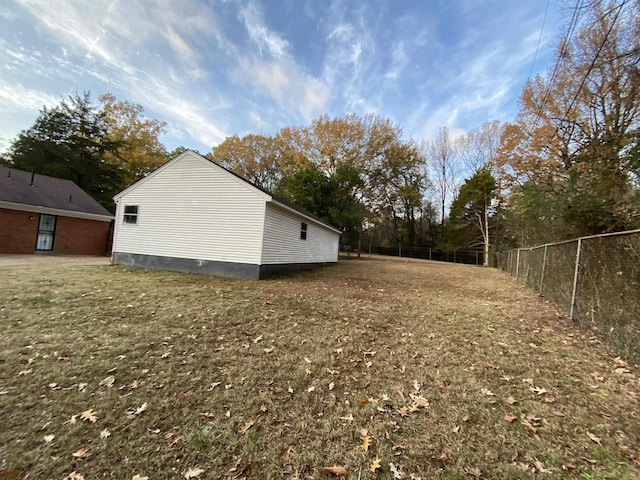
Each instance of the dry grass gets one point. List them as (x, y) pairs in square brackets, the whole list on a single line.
[(277, 379)]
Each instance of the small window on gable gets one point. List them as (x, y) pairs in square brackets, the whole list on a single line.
[(303, 231), (130, 214)]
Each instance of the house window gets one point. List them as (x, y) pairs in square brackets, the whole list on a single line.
[(131, 214), (46, 232), (303, 231)]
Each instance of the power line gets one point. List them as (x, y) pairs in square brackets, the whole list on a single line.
[(535, 55), (593, 63), (564, 45)]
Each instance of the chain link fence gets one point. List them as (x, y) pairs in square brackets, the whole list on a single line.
[(596, 280)]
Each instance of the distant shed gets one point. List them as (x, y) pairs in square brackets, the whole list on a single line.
[(193, 215), (41, 214)]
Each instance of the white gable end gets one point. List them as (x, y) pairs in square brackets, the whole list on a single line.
[(191, 208)]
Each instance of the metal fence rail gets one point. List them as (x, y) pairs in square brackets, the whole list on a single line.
[(595, 279)]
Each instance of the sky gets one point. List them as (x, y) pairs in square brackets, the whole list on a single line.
[(215, 68)]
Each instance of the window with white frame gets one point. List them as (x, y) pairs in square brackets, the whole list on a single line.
[(303, 231), (130, 214)]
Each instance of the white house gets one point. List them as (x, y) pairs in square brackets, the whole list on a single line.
[(193, 215)]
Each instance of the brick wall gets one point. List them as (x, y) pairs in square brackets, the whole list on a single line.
[(18, 231), (74, 236), (77, 236)]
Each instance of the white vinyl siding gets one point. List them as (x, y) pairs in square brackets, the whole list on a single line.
[(282, 242), (192, 209)]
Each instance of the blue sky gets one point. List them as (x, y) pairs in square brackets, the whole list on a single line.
[(221, 67)]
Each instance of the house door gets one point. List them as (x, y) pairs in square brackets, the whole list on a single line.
[(46, 232)]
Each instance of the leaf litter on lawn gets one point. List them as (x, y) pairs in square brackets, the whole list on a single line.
[(428, 358)]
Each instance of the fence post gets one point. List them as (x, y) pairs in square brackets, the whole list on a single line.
[(429, 253), (517, 263), (544, 265), (575, 279)]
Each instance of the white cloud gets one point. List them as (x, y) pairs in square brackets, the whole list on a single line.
[(284, 81), (16, 97), (259, 34), (400, 59)]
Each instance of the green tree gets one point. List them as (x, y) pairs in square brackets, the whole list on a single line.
[(72, 141), (471, 211), (332, 198)]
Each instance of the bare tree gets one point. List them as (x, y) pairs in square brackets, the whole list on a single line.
[(442, 153), (478, 148)]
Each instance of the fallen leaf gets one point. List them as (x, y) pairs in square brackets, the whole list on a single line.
[(538, 390), (193, 472), (139, 477), (416, 386), (366, 443), (336, 470), (140, 409), (9, 474), (208, 414), (363, 400), (307, 360), (475, 472), (88, 416), (593, 438), (108, 381), (82, 453), (419, 402), (74, 476), (287, 469), (105, 433), (397, 474), (331, 386), (456, 429), (511, 401), (243, 429), (290, 390), (486, 391), (49, 438), (311, 389), (403, 411), (375, 465), (348, 418), (510, 418)]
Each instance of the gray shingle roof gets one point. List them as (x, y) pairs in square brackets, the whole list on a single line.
[(50, 192)]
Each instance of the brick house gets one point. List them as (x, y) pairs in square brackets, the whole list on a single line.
[(40, 214)]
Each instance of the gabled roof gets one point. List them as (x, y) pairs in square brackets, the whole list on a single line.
[(17, 187), (268, 195)]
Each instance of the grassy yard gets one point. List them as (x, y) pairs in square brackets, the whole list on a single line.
[(428, 370)]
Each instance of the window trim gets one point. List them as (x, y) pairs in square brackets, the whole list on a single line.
[(131, 218), (303, 230)]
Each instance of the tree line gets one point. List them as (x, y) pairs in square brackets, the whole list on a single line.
[(568, 165)]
